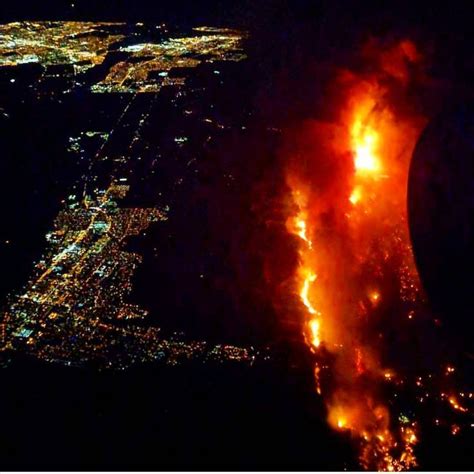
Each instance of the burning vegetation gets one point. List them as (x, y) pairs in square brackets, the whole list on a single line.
[(348, 179)]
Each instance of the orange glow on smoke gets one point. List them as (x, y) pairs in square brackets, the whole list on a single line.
[(341, 274)]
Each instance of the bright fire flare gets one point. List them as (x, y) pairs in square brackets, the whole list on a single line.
[(365, 141), (314, 326), (341, 423), (356, 195)]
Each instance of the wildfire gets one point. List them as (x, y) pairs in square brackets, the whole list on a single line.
[(367, 214)]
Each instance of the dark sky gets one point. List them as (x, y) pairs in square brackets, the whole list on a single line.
[(443, 15)]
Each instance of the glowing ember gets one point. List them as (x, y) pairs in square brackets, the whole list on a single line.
[(374, 297), (455, 429), (388, 375)]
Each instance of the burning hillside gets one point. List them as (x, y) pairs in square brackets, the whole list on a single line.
[(348, 179)]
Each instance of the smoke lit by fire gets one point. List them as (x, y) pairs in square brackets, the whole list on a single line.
[(349, 195)]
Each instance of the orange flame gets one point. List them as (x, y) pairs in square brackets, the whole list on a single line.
[(310, 278), (300, 225)]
